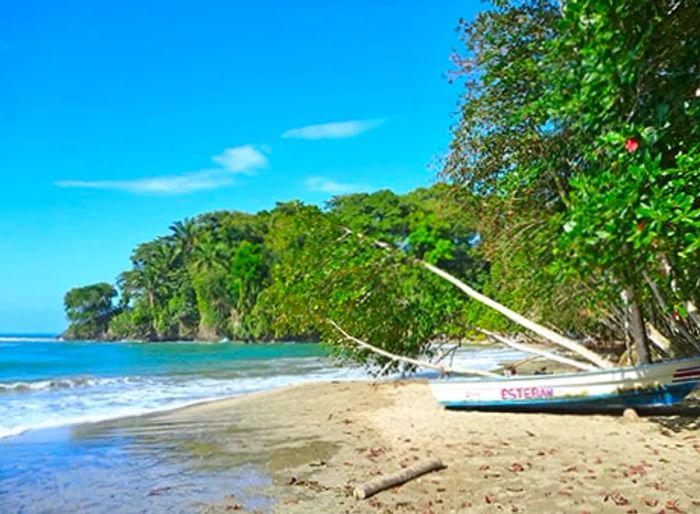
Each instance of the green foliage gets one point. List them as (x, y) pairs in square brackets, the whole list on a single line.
[(651, 212), (285, 273), (249, 276), (89, 310), (578, 131), (326, 274)]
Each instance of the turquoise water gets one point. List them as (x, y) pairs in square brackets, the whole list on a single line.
[(48, 384), (69, 441), (27, 360), (74, 438)]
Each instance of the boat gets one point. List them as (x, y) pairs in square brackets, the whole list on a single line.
[(652, 385)]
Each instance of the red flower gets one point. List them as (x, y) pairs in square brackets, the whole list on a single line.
[(631, 145)]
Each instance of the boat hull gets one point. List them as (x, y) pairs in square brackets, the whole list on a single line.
[(654, 385)]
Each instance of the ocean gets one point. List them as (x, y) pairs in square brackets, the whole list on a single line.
[(73, 434)]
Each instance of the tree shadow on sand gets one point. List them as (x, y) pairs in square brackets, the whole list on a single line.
[(685, 416)]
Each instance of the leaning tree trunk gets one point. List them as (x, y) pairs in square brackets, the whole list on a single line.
[(638, 328), (521, 320)]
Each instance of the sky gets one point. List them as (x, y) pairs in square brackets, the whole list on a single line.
[(119, 118)]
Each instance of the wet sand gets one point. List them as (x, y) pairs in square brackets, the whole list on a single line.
[(317, 442)]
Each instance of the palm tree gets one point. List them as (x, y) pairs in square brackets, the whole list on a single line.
[(151, 277), (208, 254), (184, 235)]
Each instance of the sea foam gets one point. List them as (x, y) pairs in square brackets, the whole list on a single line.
[(46, 403)]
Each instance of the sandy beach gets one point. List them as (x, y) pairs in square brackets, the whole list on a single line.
[(317, 442)]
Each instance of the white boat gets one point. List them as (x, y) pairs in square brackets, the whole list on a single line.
[(650, 385)]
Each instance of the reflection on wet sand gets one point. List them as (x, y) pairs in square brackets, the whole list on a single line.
[(147, 464)]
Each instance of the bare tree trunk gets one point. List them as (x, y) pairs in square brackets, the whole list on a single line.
[(638, 329), (521, 320), (661, 342)]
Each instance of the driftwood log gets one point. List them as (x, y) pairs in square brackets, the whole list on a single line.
[(380, 484)]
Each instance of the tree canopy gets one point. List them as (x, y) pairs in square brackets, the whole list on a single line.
[(570, 194), (89, 310), (283, 274), (579, 133)]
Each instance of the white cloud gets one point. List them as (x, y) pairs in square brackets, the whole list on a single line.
[(178, 184), (240, 159), (326, 185), (335, 130)]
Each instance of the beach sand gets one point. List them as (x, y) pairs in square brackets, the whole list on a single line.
[(318, 441)]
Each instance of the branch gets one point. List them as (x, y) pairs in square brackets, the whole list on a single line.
[(408, 360), (536, 351), (449, 353)]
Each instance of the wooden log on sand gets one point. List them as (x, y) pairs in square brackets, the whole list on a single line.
[(380, 484)]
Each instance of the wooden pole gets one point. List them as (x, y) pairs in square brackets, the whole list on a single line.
[(374, 486)]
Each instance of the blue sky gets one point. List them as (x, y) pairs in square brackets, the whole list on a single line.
[(118, 118)]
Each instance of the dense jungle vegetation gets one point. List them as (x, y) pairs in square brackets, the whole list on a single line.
[(571, 193)]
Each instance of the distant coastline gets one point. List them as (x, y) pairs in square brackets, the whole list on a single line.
[(107, 338), (268, 276), (8, 337)]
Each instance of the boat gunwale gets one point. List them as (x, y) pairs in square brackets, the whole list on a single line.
[(572, 374)]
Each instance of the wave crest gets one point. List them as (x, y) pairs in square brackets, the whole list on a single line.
[(59, 383)]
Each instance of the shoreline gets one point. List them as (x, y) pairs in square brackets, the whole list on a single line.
[(303, 448), (317, 441)]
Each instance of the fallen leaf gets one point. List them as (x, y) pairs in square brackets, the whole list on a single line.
[(616, 498), (516, 467), (672, 505), (639, 469)]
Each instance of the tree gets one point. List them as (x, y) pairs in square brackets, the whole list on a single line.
[(574, 117), (284, 274), (184, 233), (89, 310), (249, 274)]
